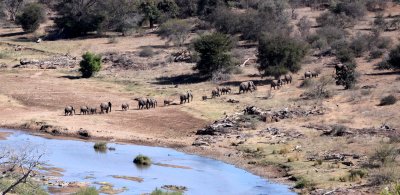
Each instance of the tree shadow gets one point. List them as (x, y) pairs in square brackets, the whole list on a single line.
[(13, 34), (181, 79), (384, 73), (70, 77)]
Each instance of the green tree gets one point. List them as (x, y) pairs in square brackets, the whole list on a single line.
[(347, 75), (150, 11), (279, 55), (32, 16), (168, 8), (175, 30), (90, 64), (214, 50), (394, 58)]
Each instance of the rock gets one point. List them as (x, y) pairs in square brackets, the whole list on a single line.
[(83, 133)]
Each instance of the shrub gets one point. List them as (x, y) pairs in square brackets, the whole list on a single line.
[(383, 175), (142, 160), (32, 16), (376, 5), (359, 44), (345, 55), (380, 23), (87, 191), (90, 64), (112, 40), (384, 155), (383, 65), (388, 100), (161, 192), (307, 83), (318, 89), (303, 183), (394, 58), (278, 55), (214, 50), (304, 26), (394, 189), (338, 130), (347, 77), (100, 146), (339, 21), (354, 9), (331, 33), (175, 30), (376, 53), (226, 21), (357, 174), (147, 52)]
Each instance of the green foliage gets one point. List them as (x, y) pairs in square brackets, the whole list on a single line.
[(150, 11), (161, 192), (206, 7), (277, 55), (394, 58), (87, 191), (31, 17), (394, 189), (388, 100), (175, 30), (142, 160), (347, 77), (356, 174), (90, 64), (100, 146), (214, 50), (303, 183), (168, 9), (30, 187)]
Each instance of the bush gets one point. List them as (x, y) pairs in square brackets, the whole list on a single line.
[(394, 58), (345, 55), (376, 53), (331, 33), (339, 21), (354, 9), (307, 82), (357, 174), (359, 44), (388, 100), (161, 192), (318, 89), (214, 50), (383, 65), (147, 52), (338, 130), (87, 191), (278, 55), (90, 64), (112, 40), (394, 189), (175, 30), (100, 146), (303, 183), (383, 155), (32, 16), (142, 160), (226, 21), (376, 5), (347, 77)]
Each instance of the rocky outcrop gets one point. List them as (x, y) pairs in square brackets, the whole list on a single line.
[(55, 62)]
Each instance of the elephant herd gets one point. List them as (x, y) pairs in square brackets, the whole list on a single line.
[(218, 91), (277, 83), (311, 74), (105, 107)]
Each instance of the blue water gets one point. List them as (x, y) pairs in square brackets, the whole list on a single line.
[(206, 176)]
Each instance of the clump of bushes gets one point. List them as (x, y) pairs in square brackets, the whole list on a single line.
[(32, 16), (147, 52), (87, 191), (303, 183), (318, 89), (142, 160), (90, 64), (388, 100), (100, 146), (161, 192)]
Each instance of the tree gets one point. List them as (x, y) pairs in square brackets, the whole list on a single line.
[(18, 163), (304, 26), (214, 52), (175, 30), (394, 58), (150, 11), (279, 55), (13, 7), (32, 16), (90, 64), (187, 8), (346, 75), (206, 7), (168, 9), (78, 17)]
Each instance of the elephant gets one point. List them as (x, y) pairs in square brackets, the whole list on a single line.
[(307, 74), (68, 111), (314, 74), (288, 78), (125, 106), (142, 103), (188, 96), (92, 110), (84, 110), (204, 98), (275, 84), (215, 93), (168, 102), (226, 90), (151, 103), (247, 86), (340, 68), (105, 107)]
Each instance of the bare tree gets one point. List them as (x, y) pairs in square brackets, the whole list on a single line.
[(19, 163), (13, 7)]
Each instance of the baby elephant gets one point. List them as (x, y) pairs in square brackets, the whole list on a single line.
[(275, 84), (125, 106), (168, 102), (93, 110)]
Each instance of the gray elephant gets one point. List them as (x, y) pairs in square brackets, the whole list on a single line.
[(275, 84), (92, 110), (226, 90), (314, 74), (215, 93), (247, 86), (288, 78), (168, 102), (125, 106), (151, 103), (307, 74), (142, 103), (69, 110), (105, 107), (188, 96), (84, 110)]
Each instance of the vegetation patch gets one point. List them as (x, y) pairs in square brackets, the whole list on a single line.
[(388, 100), (142, 160)]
